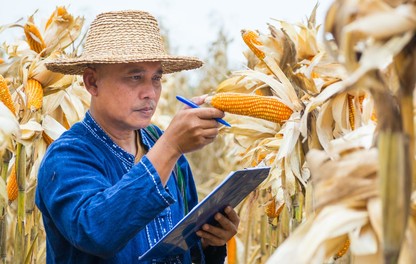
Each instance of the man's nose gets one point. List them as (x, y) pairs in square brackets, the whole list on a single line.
[(149, 91)]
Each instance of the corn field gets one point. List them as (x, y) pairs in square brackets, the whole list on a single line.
[(333, 117)]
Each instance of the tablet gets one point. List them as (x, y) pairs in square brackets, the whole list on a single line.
[(232, 190)]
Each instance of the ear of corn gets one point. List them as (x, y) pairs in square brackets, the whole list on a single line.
[(351, 111), (12, 185), (33, 37), (251, 38), (34, 94), (5, 96), (264, 107), (232, 251), (351, 99), (343, 250)]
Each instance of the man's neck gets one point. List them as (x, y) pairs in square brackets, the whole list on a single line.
[(126, 139)]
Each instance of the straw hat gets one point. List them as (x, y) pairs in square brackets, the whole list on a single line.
[(123, 37)]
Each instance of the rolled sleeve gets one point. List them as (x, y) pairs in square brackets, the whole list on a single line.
[(159, 191)]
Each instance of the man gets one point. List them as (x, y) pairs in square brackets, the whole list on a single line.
[(111, 186)]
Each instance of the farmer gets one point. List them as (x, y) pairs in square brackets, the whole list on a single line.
[(112, 185)]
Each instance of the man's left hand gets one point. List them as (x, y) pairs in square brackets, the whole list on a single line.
[(226, 229)]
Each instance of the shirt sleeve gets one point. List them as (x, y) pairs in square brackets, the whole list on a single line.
[(86, 206)]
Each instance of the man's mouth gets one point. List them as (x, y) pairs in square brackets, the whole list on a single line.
[(145, 110)]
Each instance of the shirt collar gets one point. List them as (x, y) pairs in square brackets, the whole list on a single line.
[(100, 134)]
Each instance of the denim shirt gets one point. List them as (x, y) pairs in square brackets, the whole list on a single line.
[(100, 207)]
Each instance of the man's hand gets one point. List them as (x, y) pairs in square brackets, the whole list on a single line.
[(219, 235), (192, 128), (189, 130)]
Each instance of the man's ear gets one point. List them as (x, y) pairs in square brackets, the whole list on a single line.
[(90, 81)]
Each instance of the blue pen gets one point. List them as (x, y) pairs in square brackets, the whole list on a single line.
[(193, 105)]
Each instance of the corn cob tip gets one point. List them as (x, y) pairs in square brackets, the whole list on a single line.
[(251, 38)]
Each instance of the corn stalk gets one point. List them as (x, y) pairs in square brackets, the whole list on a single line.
[(405, 65), (20, 236), (3, 209), (394, 173)]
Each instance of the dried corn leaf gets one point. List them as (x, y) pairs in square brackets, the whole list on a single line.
[(285, 95), (308, 243), (326, 94), (253, 127), (30, 130), (62, 29), (3, 190), (364, 241), (286, 55), (9, 128), (52, 127), (350, 178), (378, 56), (291, 133), (386, 24)]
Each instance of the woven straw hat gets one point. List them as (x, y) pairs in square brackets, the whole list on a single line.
[(123, 37)]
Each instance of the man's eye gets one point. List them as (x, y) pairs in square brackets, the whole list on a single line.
[(136, 77), (157, 78)]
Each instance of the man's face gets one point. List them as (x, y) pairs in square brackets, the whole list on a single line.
[(126, 95)]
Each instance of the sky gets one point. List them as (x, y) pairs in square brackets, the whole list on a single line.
[(192, 25)]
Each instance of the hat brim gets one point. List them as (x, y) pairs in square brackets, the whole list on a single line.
[(76, 66)]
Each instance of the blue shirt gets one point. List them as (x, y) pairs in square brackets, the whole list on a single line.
[(100, 207)]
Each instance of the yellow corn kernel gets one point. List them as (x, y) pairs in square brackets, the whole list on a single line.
[(12, 185), (34, 94), (264, 107), (33, 37), (5, 96), (251, 38)]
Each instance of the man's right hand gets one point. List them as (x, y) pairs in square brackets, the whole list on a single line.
[(192, 129)]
